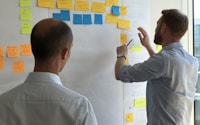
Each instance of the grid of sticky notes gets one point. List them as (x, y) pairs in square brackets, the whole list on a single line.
[(98, 9), (14, 51)]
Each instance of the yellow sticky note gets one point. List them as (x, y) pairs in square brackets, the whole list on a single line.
[(25, 14), (1, 51), (12, 51), (1, 62), (136, 48), (25, 49), (82, 5), (129, 117), (98, 7), (140, 103), (64, 4), (123, 38), (111, 19), (112, 2), (158, 48), (18, 67), (25, 3), (26, 27), (123, 10), (127, 61), (124, 24), (46, 3)]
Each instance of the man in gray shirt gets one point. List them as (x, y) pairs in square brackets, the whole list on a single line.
[(171, 74)]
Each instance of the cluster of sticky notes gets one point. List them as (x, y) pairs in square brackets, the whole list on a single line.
[(14, 51), (25, 16)]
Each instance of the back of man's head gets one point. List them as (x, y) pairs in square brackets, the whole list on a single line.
[(176, 22), (49, 37)]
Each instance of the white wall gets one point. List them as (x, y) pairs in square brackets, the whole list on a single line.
[(186, 7)]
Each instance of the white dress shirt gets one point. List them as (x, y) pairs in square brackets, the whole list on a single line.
[(42, 100)]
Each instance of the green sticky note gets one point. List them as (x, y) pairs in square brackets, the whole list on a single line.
[(25, 3), (25, 14), (140, 103), (26, 27)]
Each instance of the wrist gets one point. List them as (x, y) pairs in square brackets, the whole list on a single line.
[(121, 56)]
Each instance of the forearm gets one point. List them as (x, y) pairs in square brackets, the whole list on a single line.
[(118, 64), (150, 50)]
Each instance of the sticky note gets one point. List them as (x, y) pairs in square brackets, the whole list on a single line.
[(77, 19), (123, 38), (12, 51), (98, 19), (123, 10), (25, 3), (98, 7), (25, 49), (64, 4), (111, 19), (112, 2), (136, 49), (158, 48), (1, 62), (129, 117), (25, 14), (63, 15), (26, 27), (140, 103), (115, 10), (124, 24), (18, 67), (82, 5), (87, 19), (46, 3), (1, 51)]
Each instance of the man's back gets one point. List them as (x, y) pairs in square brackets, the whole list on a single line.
[(41, 101)]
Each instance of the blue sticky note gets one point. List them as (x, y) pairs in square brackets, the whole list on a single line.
[(98, 19), (65, 15), (87, 19), (116, 10), (77, 19), (57, 16)]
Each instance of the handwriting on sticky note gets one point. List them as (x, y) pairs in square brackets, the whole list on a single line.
[(129, 117), (46, 3), (25, 14), (1, 51), (18, 67), (82, 5), (111, 19), (1, 62), (25, 49), (123, 38), (123, 10), (136, 49), (26, 27), (25, 3), (124, 24), (12, 51), (98, 7), (64, 4), (140, 103), (112, 2)]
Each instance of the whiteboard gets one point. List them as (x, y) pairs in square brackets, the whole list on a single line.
[(90, 70)]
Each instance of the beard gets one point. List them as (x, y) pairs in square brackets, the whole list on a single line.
[(158, 39)]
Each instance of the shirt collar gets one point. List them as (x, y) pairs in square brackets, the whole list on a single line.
[(44, 77), (173, 45)]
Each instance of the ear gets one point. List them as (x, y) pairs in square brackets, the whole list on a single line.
[(64, 53), (163, 28)]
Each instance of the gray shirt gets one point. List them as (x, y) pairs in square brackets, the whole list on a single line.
[(171, 78), (42, 100)]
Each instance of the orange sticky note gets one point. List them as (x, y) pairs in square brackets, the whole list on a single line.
[(64, 4), (1, 62), (1, 51), (129, 118), (12, 51), (18, 67), (46, 3), (25, 49)]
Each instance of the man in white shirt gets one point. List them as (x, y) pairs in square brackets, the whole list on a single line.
[(42, 99)]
